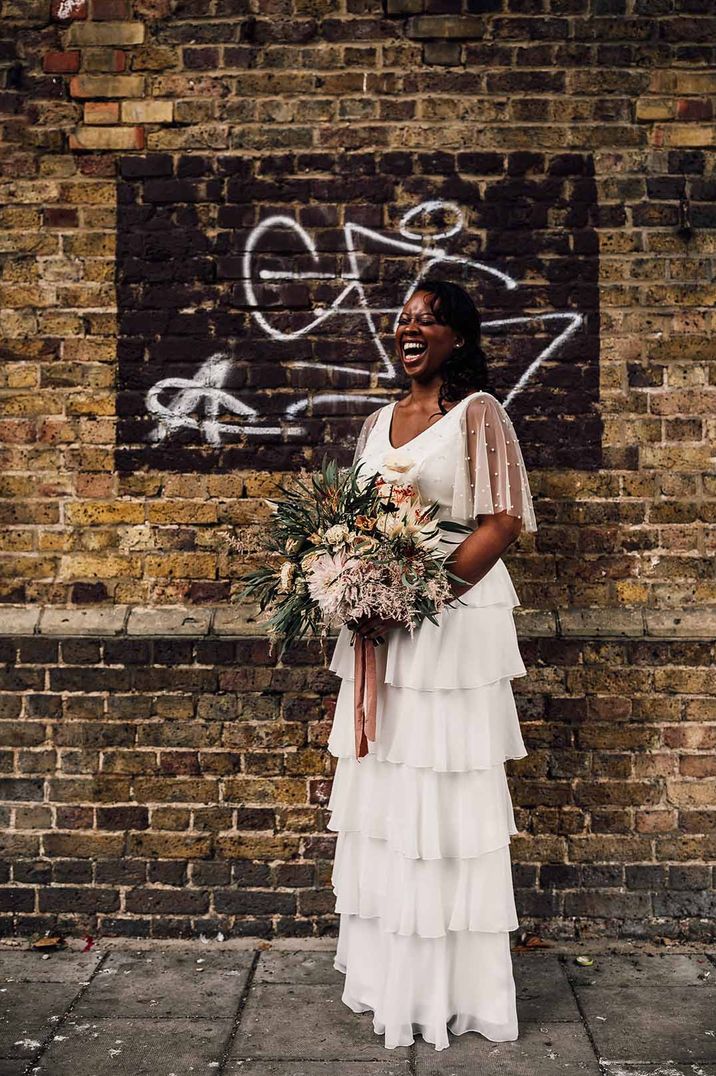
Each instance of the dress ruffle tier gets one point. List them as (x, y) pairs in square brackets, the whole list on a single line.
[(422, 871)]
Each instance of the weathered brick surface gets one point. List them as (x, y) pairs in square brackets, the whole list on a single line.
[(144, 797), (186, 191)]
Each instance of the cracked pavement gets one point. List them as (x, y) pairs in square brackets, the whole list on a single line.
[(274, 1009)]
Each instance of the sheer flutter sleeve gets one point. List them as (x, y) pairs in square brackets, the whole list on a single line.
[(490, 473), (364, 434)]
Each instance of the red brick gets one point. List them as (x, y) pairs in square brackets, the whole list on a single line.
[(101, 112), (111, 10), (694, 108), (61, 63)]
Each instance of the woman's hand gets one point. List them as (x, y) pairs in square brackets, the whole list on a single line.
[(373, 627)]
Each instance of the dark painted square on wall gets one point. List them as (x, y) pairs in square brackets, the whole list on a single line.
[(257, 298)]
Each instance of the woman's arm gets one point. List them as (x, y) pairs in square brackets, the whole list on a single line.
[(474, 557)]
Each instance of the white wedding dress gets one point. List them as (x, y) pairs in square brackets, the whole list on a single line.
[(422, 870)]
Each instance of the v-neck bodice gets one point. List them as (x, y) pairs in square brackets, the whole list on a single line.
[(391, 409), (469, 461), (430, 460)]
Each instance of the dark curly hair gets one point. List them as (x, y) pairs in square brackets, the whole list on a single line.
[(465, 370)]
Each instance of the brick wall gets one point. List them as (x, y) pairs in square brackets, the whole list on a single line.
[(168, 785), (211, 212)]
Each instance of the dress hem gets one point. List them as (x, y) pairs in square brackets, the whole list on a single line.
[(461, 1022)]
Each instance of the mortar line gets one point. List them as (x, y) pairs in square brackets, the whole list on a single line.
[(582, 1014), (243, 997), (45, 1044)]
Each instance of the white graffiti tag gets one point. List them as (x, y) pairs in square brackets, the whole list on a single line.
[(67, 8), (205, 390)]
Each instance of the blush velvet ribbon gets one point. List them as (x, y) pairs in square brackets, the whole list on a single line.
[(364, 694)]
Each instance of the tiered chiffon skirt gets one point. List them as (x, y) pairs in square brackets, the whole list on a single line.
[(422, 871)]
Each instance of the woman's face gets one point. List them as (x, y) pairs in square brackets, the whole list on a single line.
[(422, 343)]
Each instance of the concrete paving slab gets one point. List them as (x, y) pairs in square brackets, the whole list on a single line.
[(136, 1048), (542, 988), (306, 1022), (318, 1068), (651, 1023), (664, 1068), (64, 966), (642, 969), (28, 1011), (277, 966), (167, 984), (541, 1048), (13, 1068)]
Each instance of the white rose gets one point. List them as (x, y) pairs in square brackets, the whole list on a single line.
[(337, 535), (398, 469)]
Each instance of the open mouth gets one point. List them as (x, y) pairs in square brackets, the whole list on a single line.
[(413, 349)]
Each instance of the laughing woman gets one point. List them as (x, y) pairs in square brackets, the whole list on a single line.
[(422, 871)]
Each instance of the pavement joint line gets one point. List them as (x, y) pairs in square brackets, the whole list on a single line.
[(562, 960), (225, 1057), (45, 1044)]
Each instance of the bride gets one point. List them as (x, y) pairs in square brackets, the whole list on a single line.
[(422, 869)]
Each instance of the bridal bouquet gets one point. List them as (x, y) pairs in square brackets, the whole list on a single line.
[(347, 545)]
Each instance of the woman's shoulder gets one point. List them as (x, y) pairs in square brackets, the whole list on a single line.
[(484, 402)]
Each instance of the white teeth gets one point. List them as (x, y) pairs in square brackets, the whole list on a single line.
[(413, 348)]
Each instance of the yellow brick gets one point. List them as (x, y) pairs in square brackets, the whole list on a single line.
[(694, 82), (94, 403), (20, 217), (112, 86), (154, 58), (662, 81), (185, 486), (29, 567), (34, 404), (261, 848), (700, 792), (147, 111), (260, 790), (108, 566), (55, 541), (17, 296), (655, 108), (101, 513), (90, 245), (89, 349), (262, 484), (181, 512), (691, 134), (106, 33), (17, 541), (60, 323), (95, 193), (21, 377), (107, 138), (21, 192), (182, 566)]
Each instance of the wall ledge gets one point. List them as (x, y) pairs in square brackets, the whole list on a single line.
[(240, 622)]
